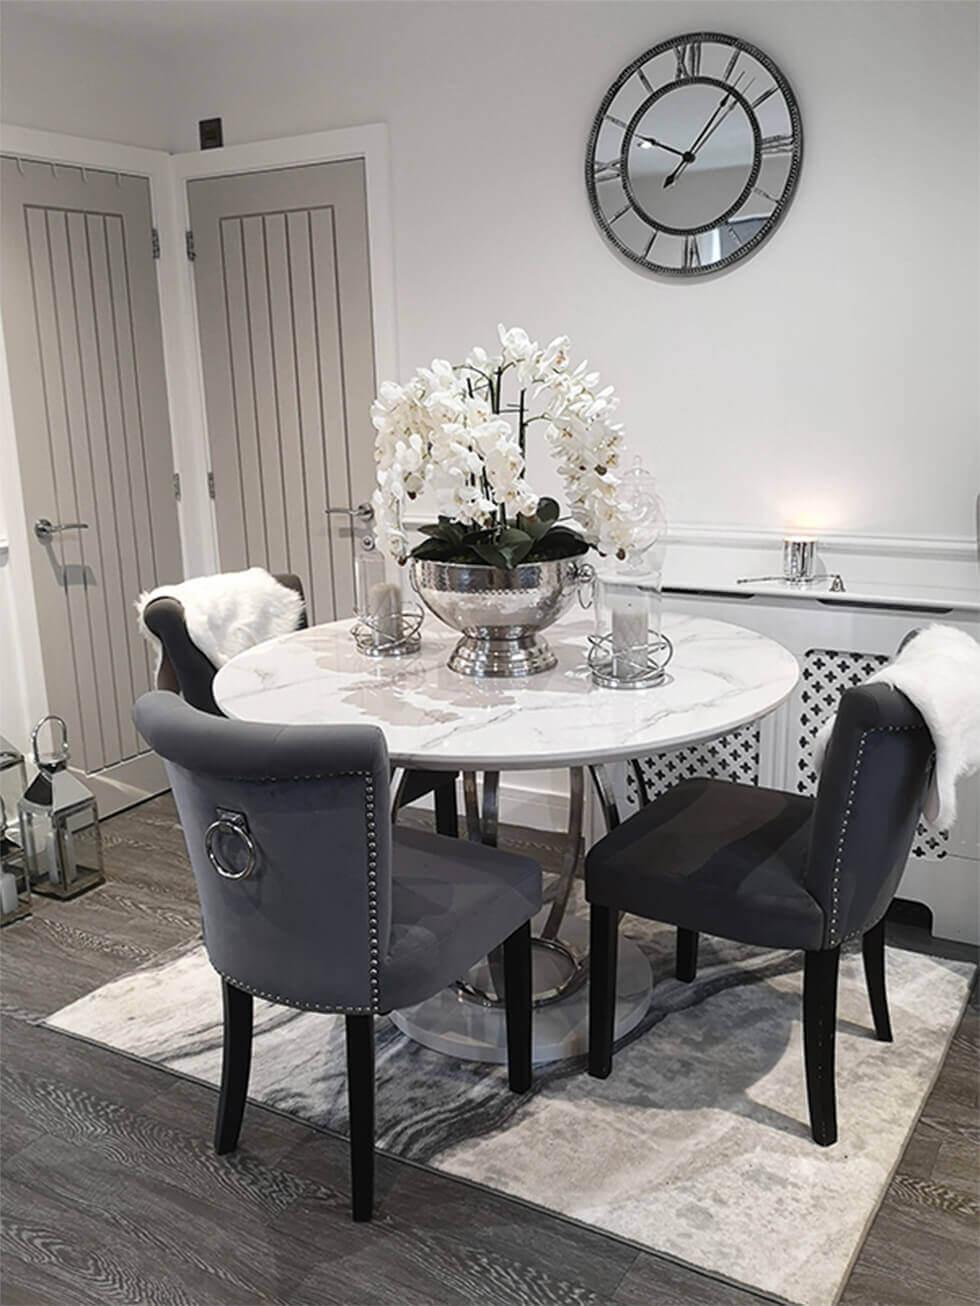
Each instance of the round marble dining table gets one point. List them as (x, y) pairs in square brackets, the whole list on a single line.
[(721, 677)]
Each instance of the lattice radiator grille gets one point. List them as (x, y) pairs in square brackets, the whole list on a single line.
[(826, 674), (733, 757)]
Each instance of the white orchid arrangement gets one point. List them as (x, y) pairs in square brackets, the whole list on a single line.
[(449, 431)]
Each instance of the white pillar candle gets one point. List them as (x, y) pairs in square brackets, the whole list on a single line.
[(629, 621), (8, 892), (384, 609)]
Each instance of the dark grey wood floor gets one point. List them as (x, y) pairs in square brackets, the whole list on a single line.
[(111, 1192)]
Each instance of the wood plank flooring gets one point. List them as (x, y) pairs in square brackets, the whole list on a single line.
[(111, 1191)]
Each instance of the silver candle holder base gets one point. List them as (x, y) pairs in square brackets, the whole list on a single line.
[(640, 666), (393, 635)]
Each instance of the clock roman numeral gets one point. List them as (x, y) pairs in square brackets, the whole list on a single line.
[(616, 216), (609, 170), (646, 252), (688, 60), (764, 194), (777, 145), (644, 79), (618, 121), (736, 55), (692, 258), (761, 99)]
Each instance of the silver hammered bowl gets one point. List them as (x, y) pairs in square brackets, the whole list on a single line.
[(500, 611)]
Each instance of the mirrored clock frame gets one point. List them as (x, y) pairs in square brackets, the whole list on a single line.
[(694, 155)]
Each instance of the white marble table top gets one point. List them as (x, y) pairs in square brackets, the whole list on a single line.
[(721, 677)]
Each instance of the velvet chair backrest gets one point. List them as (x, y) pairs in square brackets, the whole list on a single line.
[(310, 925), (875, 773), (184, 669)]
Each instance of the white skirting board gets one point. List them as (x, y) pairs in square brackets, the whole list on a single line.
[(951, 891)]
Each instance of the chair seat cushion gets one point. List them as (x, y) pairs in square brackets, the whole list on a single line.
[(451, 902), (710, 855)]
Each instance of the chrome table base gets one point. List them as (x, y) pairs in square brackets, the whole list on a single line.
[(467, 1021)]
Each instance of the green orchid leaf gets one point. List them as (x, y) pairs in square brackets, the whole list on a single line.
[(503, 547), (434, 551)]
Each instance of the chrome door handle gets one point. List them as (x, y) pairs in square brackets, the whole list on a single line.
[(44, 529), (363, 512)]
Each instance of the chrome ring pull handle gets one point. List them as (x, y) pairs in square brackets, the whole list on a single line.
[(230, 823)]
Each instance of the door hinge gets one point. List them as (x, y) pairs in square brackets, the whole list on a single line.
[(155, 239), (189, 243), (177, 485), (211, 484)]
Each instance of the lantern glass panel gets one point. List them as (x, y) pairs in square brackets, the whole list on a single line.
[(13, 782)]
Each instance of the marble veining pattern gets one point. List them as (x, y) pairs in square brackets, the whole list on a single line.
[(721, 676), (697, 1146)]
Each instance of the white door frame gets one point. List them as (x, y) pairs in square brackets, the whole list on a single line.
[(20, 661), (368, 143)]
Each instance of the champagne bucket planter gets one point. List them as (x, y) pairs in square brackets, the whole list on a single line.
[(500, 611)]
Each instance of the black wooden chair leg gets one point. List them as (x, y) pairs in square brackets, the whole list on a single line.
[(447, 813), (603, 947), (687, 955), (517, 1007), (873, 947), (235, 1065), (819, 1038), (360, 1109)]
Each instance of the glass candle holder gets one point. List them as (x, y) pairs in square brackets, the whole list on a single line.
[(387, 625), (628, 649)]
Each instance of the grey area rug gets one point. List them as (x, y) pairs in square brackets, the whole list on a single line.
[(698, 1145)]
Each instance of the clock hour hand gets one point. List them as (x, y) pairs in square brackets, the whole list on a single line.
[(648, 142)]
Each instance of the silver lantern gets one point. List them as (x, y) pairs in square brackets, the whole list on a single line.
[(59, 824), (15, 887), (13, 781)]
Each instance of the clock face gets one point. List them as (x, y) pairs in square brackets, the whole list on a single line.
[(694, 154)]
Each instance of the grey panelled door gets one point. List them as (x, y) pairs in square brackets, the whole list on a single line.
[(282, 276), (82, 328)]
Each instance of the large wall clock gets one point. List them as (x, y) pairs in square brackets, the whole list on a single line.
[(694, 154)]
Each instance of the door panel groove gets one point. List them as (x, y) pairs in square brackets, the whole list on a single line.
[(96, 596), (95, 749), (235, 559)]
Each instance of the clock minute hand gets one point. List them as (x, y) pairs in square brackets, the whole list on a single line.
[(713, 122)]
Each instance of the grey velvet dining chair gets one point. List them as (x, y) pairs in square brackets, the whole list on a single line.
[(311, 899), (186, 670), (776, 869)]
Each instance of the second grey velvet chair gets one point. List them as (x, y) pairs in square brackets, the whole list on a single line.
[(311, 899), (187, 671), (776, 869)]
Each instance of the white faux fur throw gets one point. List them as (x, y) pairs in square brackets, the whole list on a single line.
[(228, 613), (939, 670)]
